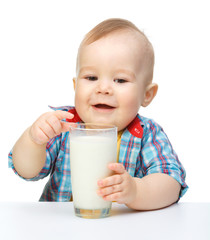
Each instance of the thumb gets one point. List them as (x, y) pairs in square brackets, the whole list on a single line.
[(117, 167)]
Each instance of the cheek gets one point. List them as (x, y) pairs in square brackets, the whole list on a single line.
[(80, 94), (82, 98), (131, 100), (79, 99), (79, 105), (130, 104)]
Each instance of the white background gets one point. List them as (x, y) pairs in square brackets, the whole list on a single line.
[(38, 46)]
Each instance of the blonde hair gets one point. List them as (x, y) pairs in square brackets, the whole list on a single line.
[(108, 26), (112, 25)]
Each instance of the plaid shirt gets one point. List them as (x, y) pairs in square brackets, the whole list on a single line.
[(144, 149)]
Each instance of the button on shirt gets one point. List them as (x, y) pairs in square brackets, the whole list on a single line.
[(144, 149)]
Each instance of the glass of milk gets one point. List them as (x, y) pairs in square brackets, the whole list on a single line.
[(92, 148)]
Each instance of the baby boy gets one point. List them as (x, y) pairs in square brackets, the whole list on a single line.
[(113, 80)]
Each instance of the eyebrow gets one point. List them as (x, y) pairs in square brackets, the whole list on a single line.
[(126, 71), (120, 70), (86, 68)]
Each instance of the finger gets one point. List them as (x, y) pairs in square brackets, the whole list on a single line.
[(109, 181), (117, 167), (55, 124), (47, 130), (37, 135), (65, 126), (63, 114), (109, 190), (115, 197), (43, 138)]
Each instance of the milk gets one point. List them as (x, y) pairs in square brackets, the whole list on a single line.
[(89, 157)]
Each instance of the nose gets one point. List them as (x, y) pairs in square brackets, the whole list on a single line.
[(104, 87)]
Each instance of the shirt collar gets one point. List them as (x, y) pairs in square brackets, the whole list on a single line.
[(76, 117), (136, 127)]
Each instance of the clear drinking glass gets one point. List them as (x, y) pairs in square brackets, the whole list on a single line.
[(92, 148)]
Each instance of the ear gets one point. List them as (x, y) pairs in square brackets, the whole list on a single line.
[(151, 91), (74, 83)]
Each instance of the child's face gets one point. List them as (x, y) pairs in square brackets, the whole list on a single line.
[(110, 84)]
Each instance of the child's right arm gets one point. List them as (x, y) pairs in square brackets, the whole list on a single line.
[(29, 152)]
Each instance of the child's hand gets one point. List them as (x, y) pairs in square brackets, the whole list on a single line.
[(49, 125), (120, 187)]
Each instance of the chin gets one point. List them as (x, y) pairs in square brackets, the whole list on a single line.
[(103, 121)]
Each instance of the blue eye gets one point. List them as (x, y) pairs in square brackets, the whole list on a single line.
[(120, 80), (91, 78)]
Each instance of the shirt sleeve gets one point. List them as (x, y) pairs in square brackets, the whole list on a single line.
[(52, 150), (158, 156)]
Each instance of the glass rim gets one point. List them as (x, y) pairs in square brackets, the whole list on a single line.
[(74, 126)]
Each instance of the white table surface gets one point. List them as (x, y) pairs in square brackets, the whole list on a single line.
[(52, 220)]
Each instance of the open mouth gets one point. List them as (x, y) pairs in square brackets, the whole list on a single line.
[(103, 106)]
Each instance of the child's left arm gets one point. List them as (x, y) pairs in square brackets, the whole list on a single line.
[(153, 191)]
